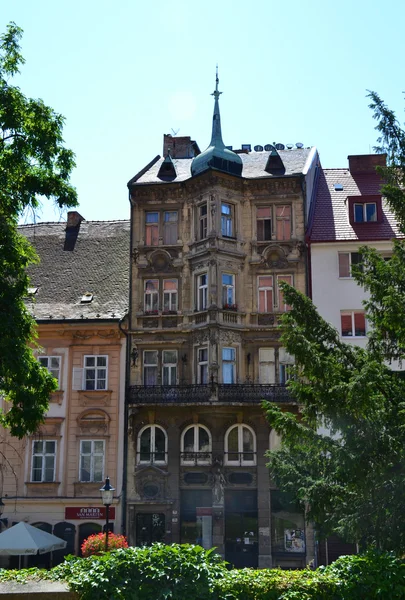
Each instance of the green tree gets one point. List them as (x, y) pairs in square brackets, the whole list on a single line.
[(34, 164), (343, 453)]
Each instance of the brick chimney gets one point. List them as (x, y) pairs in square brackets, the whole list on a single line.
[(73, 219), (366, 163), (180, 147)]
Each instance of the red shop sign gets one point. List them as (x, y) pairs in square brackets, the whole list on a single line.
[(89, 512)]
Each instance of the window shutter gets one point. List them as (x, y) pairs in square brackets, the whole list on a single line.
[(77, 379), (344, 265)]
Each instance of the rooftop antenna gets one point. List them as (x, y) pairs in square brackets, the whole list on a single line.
[(175, 131)]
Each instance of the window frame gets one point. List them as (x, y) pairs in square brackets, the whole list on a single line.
[(364, 211), (155, 366), (350, 257), (202, 292), (283, 219), (166, 227), (49, 357), (281, 277), (261, 220), (43, 456), (148, 294), (202, 222), (265, 289), (196, 461), (92, 455), (202, 364), (229, 362), (152, 452), (170, 293), (170, 366), (96, 368), (225, 289), (152, 225), (228, 221), (241, 462), (352, 313)]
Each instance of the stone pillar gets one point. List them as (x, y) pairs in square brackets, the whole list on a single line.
[(173, 483), (263, 499)]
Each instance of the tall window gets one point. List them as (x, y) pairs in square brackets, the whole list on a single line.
[(228, 290), (169, 367), (202, 292), (283, 222), (263, 223), (366, 212), (228, 365), (266, 365), (240, 445), (346, 261), (152, 228), (150, 367), (202, 365), (170, 228), (282, 306), (91, 460), (265, 293), (52, 363), (151, 296), (152, 445), (95, 372), (170, 295), (226, 220), (203, 221), (196, 445), (353, 323), (43, 460)]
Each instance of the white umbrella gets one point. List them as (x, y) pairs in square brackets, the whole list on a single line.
[(22, 539)]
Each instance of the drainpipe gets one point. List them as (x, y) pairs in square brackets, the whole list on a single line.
[(125, 432)]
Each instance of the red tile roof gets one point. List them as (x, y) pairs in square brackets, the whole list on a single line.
[(331, 216)]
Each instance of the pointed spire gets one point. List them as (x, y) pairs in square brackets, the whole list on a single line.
[(217, 156), (216, 137)]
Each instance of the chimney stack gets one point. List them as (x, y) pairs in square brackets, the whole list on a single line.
[(73, 219), (180, 147), (366, 163)]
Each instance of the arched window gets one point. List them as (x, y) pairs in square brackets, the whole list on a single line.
[(240, 445), (196, 446), (152, 445)]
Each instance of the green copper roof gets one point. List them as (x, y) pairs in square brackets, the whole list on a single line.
[(217, 156)]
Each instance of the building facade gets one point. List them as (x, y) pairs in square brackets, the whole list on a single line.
[(78, 296), (213, 235)]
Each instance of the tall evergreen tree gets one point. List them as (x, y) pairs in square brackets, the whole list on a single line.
[(34, 164), (343, 455)]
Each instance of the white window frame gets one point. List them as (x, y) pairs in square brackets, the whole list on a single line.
[(352, 313), (349, 254), (241, 461), (228, 221), (43, 454), (152, 446), (229, 362), (226, 287), (170, 294), (92, 455), (154, 365), (364, 205), (147, 296), (262, 219), (202, 292), (198, 461), (97, 369), (51, 369), (170, 366), (202, 363), (265, 288)]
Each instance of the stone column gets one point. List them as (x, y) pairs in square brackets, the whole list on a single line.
[(263, 499)]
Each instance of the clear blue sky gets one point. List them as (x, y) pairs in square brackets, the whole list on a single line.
[(124, 72)]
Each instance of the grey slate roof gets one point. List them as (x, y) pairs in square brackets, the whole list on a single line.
[(254, 164), (98, 263)]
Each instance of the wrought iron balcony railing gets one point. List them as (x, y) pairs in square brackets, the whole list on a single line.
[(223, 393)]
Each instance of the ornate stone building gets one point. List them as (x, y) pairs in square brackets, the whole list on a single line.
[(213, 235)]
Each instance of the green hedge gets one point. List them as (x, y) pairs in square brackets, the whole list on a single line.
[(184, 572)]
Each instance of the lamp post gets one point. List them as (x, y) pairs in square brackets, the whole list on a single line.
[(107, 492), (2, 505)]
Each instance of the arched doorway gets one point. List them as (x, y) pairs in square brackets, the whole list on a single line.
[(86, 529), (42, 561), (65, 531)]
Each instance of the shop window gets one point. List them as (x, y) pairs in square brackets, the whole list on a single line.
[(196, 446), (288, 525), (196, 517), (152, 445), (240, 445)]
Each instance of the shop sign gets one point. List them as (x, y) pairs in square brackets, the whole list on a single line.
[(89, 512)]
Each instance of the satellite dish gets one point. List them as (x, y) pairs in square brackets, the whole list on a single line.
[(290, 146), (258, 148), (268, 147), (299, 145), (280, 147)]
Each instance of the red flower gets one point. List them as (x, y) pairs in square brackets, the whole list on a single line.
[(95, 544)]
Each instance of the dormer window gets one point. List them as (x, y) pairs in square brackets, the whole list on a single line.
[(365, 213)]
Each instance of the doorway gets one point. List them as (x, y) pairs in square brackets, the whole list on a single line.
[(86, 529), (150, 528), (241, 528)]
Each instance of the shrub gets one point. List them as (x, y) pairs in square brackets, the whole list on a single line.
[(95, 544)]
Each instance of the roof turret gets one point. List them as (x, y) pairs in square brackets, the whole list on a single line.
[(217, 156)]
